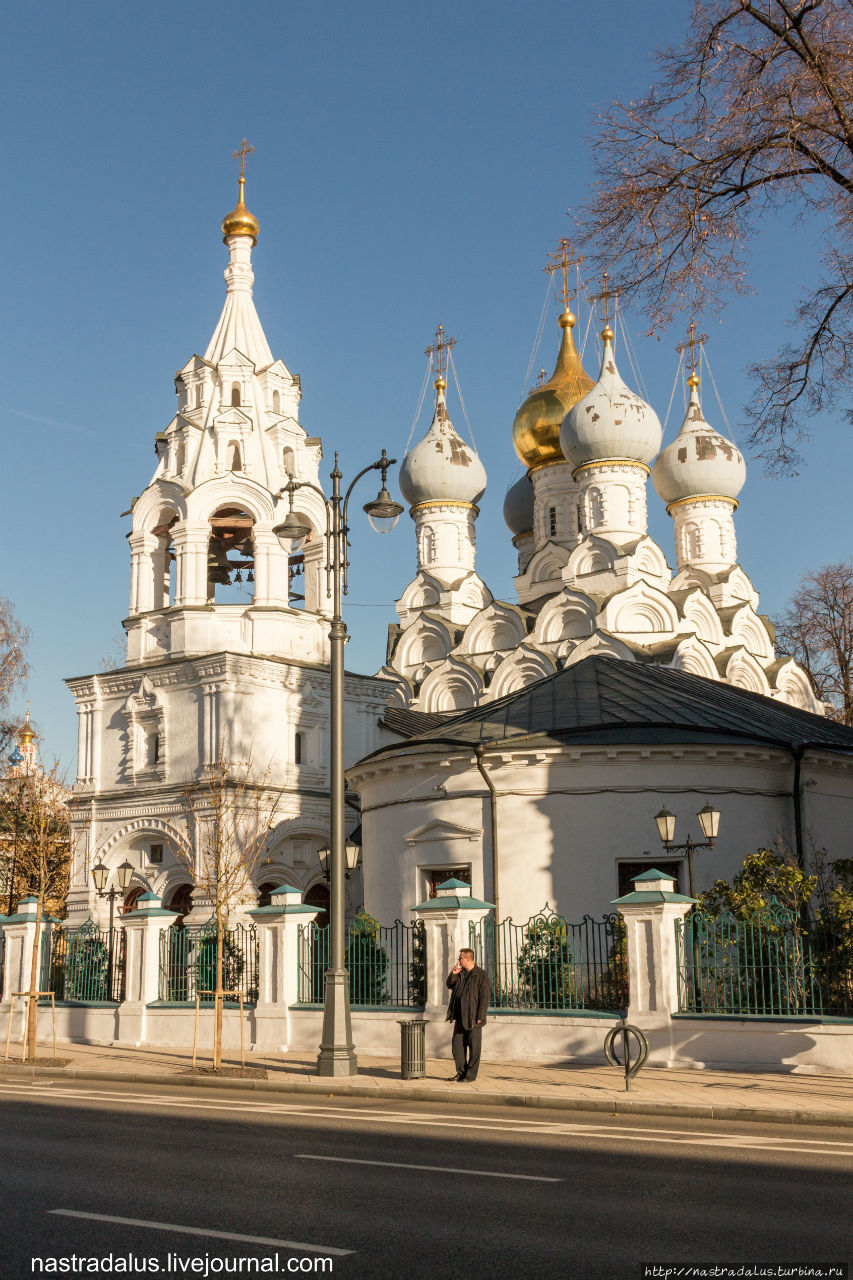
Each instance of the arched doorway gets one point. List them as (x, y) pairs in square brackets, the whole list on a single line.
[(181, 900), (131, 899), (318, 896), (265, 894)]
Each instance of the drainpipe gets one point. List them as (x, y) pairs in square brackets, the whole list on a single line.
[(797, 753), (493, 807)]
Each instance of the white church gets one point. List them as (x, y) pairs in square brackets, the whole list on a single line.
[(522, 746)]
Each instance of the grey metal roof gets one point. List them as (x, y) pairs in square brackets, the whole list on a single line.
[(409, 723), (604, 699)]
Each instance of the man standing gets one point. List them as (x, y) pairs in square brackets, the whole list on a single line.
[(470, 991)]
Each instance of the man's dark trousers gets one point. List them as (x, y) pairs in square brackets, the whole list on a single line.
[(466, 1040)]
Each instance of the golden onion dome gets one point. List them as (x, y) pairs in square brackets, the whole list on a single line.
[(536, 429), (26, 733), (240, 222)]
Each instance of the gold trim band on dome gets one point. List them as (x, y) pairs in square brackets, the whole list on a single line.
[(445, 502), (703, 497), (612, 462)]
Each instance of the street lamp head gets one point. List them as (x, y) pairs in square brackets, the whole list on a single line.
[(325, 856), (665, 825), (383, 512), (292, 532), (352, 852), (709, 820), (125, 874), (99, 875)]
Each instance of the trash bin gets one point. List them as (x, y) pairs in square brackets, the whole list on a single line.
[(413, 1049)]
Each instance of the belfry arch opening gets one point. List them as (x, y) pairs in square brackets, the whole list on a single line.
[(231, 557), (164, 561)]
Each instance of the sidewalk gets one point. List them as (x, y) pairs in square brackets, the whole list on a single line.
[(720, 1095)]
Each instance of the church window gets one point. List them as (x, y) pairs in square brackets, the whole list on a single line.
[(234, 461), (287, 462), (298, 748), (198, 396), (155, 748), (180, 457), (235, 395), (436, 876), (552, 522), (276, 402), (155, 854)]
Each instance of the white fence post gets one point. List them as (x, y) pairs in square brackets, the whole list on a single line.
[(650, 914), (18, 932), (142, 965), (278, 964), (447, 921)]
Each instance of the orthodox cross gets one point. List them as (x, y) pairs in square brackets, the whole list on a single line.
[(244, 150), (690, 344), (540, 382), (560, 259), (440, 349), (605, 295)]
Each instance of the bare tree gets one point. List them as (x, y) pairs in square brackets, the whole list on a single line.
[(13, 661), (817, 630), (230, 815), (752, 113), (34, 805)]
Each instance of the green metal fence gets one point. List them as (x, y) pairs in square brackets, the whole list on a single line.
[(188, 962), (85, 965), (549, 964), (386, 964), (772, 965)]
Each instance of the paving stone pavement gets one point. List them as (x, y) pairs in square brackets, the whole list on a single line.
[(729, 1095)]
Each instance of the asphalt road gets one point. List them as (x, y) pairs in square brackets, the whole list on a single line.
[(389, 1190)]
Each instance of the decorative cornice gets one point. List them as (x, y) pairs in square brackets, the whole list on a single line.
[(444, 502), (630, 463), (699, 498)]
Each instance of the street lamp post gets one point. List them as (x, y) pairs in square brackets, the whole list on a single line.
[(337, 1056), (100, 875), (709, 821)]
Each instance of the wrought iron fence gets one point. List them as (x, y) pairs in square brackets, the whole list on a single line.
[(550, 964), (386, 964), (772, 965), (188, 962), (85, 965)]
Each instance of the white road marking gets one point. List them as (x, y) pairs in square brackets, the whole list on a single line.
[(431, 1168), (203, 1231), (439, 1120)]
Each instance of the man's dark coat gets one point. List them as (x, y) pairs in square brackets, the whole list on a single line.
[(474, 997)]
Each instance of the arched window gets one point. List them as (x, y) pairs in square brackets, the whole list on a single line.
[(234, 460), (235, 395), (287, 462), (276, 402), (298, 748)]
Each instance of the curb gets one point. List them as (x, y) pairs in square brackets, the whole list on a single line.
[(425, 1093)]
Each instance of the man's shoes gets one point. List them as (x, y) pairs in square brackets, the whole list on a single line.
[(460, 1075), (468, 1079)]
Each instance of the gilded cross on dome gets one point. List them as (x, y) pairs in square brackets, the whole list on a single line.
[(561, 259), (441, 350), (607, 292), (245, 149), (692, 341)]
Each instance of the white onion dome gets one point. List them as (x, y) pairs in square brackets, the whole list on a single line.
[(518, 506), (699, 462), (442, 467), (611, 422)]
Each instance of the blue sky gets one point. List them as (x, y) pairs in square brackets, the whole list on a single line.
[(414, 164)]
